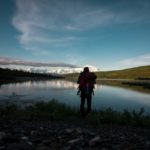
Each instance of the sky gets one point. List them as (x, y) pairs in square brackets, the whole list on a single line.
[(106, 34)]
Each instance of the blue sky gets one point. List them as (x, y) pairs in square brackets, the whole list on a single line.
[(110, 34)]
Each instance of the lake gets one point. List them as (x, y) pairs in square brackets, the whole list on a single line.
[(66, 92)]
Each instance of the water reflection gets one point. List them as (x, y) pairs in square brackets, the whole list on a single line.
[(43, 84), (66, 92)]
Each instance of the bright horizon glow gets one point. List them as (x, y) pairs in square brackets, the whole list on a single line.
[(108, 35)]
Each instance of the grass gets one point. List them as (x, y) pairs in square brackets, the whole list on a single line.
[(128, 118), (53, 110), (142, 72), (131, 73)]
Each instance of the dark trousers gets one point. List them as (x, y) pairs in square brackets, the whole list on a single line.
[(88, 98)]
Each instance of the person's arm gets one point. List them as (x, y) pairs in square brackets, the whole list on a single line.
[(95, 76), (79, 78)]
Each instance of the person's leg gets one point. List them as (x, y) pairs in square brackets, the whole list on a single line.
[(82, 105), (89, 100)]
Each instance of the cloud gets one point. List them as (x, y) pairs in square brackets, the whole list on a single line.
[(137, 61), (43, 23), (57, 23), (38, 67), (10, 61)]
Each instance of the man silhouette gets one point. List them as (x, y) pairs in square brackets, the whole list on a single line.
[(86, 81)]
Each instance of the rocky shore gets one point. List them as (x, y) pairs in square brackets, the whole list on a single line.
[(61, 135)]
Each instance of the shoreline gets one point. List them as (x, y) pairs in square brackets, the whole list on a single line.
[(62, 135), (54, 126)]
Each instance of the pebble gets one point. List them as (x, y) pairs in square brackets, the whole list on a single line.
[(73, 141), (29, 143), (2, 135), (94, 141), (90, 133), (25, 138), (79, 130), (68, 130), (43, 136)]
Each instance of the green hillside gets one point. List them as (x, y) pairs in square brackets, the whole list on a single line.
[(131, 73)]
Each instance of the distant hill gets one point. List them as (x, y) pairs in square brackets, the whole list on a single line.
[(131, 73), (142, 72)]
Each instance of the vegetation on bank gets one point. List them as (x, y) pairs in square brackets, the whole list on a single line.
[(53, 110), (141, 73), (8, 75)]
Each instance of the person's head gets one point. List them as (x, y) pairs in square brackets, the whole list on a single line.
[(86, 69)]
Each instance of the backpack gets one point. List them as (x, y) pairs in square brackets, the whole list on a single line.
[(87, 81)]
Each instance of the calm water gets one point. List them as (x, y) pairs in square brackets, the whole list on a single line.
[(66, 92)]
